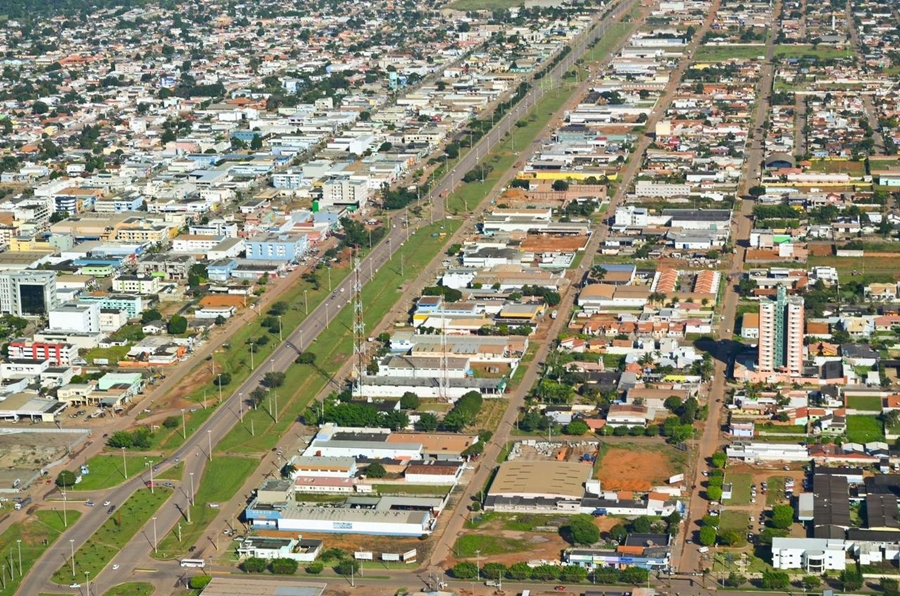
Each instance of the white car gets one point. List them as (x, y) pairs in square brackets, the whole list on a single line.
[(115, 567), (106, 503)]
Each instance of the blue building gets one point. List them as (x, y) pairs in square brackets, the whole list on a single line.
[(221, 270), (277, 247)]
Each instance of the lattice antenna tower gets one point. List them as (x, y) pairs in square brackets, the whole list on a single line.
[(359, 326)]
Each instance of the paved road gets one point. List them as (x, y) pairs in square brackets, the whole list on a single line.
[(868, 106), (710, 441)]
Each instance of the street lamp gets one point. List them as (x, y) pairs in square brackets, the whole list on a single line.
[(19, 544), (306, 300), (209, 439), (124, 464), (241, 404), (150, 465), (65, 516), (72, 549), (154, 534), (192, 488), (87, 579), (280, 336), (183, 425)]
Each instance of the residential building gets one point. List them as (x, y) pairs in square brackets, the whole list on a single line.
[(77, 317), (277, 247), (781, 334), (137, 284)]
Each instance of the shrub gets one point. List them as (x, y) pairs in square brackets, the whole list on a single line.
[(198, 582), (254, 565), (465, 570), (316, 567), (170, 422), (283, 566), (65, 479)]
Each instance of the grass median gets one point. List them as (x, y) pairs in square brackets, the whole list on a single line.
[(219, 483), (37, 533), (131, 589), (106, 471), (117, 531)]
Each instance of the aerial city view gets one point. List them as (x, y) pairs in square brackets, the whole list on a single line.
[(463, 297)]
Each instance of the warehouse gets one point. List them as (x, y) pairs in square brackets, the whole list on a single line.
[(538, 487)]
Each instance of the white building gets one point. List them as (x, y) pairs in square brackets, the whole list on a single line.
[(76, 316), (344, 190), (812, 555), (629, 216), (752, 451), (647, 188), (137, 284), (27, 293)]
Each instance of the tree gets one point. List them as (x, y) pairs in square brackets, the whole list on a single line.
[(465, 570), (673, 403), (782, 517), (427, 423), (170, 422), (582, 529), (177, 325), (254, 565), (273, 380), (375, 470), (283, 566), (811, 582), (560, 185), (347, 567), (65, 479), (545, 572), (576, 427), (775, 580), (707, 535), (641, 525), (635, 576), (409, 401), (306, 358), (890, 586), (618, 533), (222, 379), (148, 316), (572, 573), (851, 580), (315, 568), (256, 143), (735, 580), (39, 107), (757, 191), (718, 459), (605, 575), (518, 571), (731, 538), (714, 493), (493, 570), (119, 439)]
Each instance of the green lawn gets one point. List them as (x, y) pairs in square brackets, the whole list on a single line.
[(223, 477), (43, 525), (782, 430), (870, 403), (741, 491), (863, 428), (131, 589), (807, 51), (707, 53), (411, 489), (107, 471), (775, 490), (467, 544), (173, 473), (116, 532), (734, 520)]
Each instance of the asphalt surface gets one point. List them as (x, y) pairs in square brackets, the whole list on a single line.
[(690, 559), (196, 450)]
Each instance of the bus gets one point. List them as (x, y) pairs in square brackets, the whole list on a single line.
[(193, 562)]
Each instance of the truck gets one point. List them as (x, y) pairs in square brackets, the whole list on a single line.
[(22, 504), (491, 583), (554, 314), (676, 478)]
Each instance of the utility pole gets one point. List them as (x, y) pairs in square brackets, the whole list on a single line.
[(359, 325), (183, 425), (209, 440), (124, 464)]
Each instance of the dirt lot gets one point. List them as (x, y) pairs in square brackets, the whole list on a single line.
[(638, 467), (28, 450), (359, 542)]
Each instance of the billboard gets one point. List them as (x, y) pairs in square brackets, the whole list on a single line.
[(409, 555), (363, 556), (390, 557)]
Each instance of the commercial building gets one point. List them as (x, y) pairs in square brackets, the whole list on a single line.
[(298, 549), (27, 293), (781, 334), (59, 354), (538, 487), (811, 555), (386, 516), (752, 451)]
